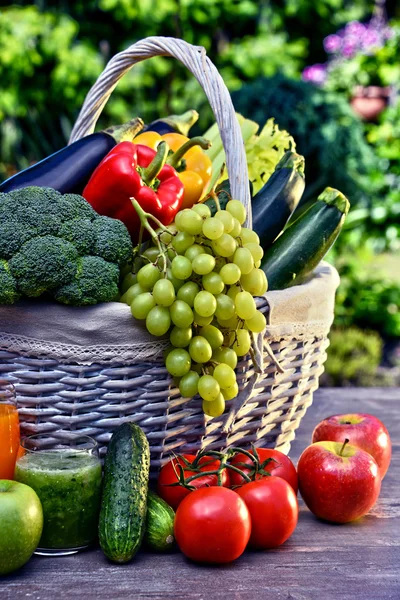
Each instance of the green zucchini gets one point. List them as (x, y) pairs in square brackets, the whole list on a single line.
[(159, 532), (124, 498), (278, 198), (303, 245)]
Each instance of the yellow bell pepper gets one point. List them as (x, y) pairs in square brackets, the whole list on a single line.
[(193, 165)]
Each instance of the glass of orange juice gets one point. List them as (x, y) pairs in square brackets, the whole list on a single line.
[(9, 429)]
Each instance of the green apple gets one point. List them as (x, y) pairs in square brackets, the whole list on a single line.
[(21, 524)]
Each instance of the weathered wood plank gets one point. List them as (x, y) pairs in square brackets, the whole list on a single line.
[(357, 561)]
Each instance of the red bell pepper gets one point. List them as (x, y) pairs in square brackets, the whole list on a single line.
[(135, 171)]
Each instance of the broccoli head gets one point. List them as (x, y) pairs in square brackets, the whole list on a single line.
[(58, 244), (8, 285), (44, 264), (96, 281), (112, 240)]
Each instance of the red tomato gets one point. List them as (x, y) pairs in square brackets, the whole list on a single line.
[(212, 525), (170, 474), (273, 510), (280, 466)]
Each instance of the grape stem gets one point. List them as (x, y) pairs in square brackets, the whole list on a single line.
[(144, 224)]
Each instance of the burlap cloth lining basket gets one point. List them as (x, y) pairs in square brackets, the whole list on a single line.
[(90, 369)]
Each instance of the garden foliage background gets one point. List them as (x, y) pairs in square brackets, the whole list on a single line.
[(52, 51)]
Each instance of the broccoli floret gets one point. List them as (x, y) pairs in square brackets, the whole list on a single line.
[(8, 285), (44, 264), (12, 235), (58, 244), (80, 233), (112, 240), (95, 281)]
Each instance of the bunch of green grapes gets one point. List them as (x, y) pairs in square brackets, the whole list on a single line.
[(198, 285)]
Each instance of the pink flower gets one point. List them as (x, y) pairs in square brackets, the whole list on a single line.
[(332, 43), (315, 74)]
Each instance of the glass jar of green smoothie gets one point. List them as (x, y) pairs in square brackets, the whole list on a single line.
[(67, 478)]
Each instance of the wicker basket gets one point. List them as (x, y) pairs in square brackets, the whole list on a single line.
[(60, 392)]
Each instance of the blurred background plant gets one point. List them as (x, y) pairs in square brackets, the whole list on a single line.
[(312, 65)]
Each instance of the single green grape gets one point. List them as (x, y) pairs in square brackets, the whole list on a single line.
[(237, 210), (129, 280), (147, 276), (225, 376), (188, 385), (142, 305), (231, 323), (181, 267), (208, 388), (190, 222), (151, 254), (244, 260), (236, 229), (202, 210), (199, 349), (254, 282), (230, 273), (248, 235), (203, 264), (225, 245), (167, 236), (177, 283), (131, 293), (181, 314), (215, 408), (182, 241), (226, 218), (178, 362), (213, 228), (257, 323), (225, 307), (242, 343), (230, 392), (158, 320), (194, 251), (213, 283), (213, 336), (188, 292), (225, 355), (205, 304), (202, 321), (245, 305), (180, 336), (164, 292), (233, 291), (256, 251)]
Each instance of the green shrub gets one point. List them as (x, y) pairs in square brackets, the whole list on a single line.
[(353, 357)]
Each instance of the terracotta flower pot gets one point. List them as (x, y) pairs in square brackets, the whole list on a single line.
[(369, 102)]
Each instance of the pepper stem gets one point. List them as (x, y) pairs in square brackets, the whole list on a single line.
[(177, 156), (149, 174)]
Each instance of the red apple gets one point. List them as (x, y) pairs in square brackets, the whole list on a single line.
[(338, 482), (365, 431)]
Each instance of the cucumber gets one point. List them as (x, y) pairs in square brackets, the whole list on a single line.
[(124, 498), (302, 245), (159, 532), (278, 198)]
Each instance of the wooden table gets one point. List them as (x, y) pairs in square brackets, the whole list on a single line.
[(357, 561)]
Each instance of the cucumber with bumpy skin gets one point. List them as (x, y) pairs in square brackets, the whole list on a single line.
[(304, 244), (278, 198), (159, 533), (124, 499)]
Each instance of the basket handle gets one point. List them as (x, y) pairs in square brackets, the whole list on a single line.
[(195, 59)]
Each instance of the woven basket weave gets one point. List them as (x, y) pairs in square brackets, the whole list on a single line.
[(60, 394)]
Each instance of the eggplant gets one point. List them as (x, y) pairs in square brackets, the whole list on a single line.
[(69, 169), (273, 205), (174, 123)]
